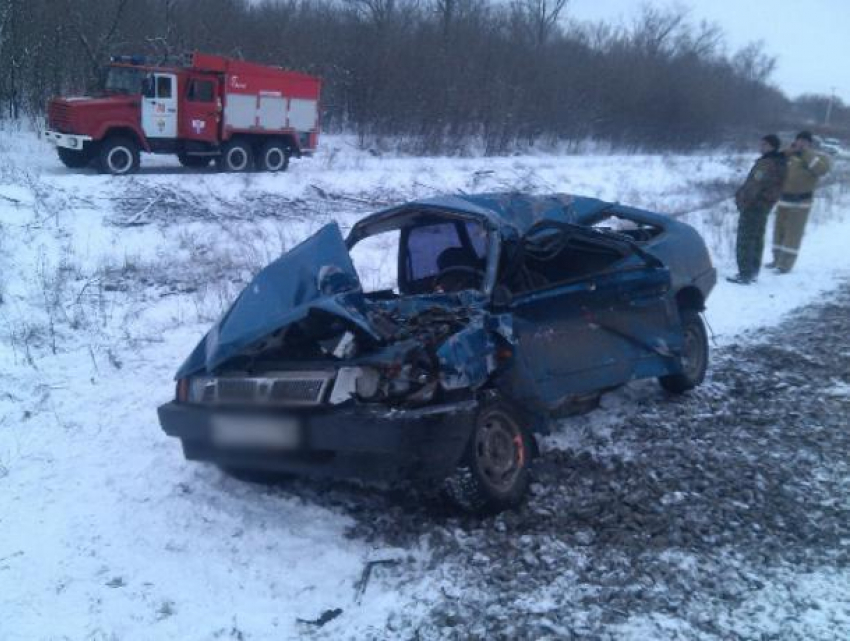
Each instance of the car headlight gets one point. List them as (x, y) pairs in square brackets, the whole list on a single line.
[(72, 142), (362, 382), (367, 383), (197, 389)]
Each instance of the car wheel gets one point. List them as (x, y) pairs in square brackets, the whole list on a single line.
[(694, 356), (494, 472), (74, 158), (119, 156), (237, 156), (274, 156), (195, 162)]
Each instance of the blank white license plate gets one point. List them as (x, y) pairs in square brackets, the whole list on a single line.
[(256, 431)]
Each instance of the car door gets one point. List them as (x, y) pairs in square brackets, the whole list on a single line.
[(159, 106), (594, 332), (644, 315), (201, 111), (561, 348)]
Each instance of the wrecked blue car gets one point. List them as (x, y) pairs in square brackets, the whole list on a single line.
[(503, 311)]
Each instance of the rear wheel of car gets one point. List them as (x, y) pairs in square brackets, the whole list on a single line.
[(195, 162), (494, 473), (274, 156), (74, 158), (118, 156), (237, 156), (694, 355)]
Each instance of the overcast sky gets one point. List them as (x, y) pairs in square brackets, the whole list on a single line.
[(810, 38)]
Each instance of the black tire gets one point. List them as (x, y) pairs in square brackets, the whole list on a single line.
[(694, 356), (494, 473), (274, 156), (236, 156), (194, 162), (118, 156), (74, 158)]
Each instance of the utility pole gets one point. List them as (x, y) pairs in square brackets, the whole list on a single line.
[(829, 108)]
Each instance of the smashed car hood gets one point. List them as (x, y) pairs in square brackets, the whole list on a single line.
[(316, 275)]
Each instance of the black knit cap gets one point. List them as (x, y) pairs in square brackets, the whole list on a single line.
[(772, 140), (805, 135)]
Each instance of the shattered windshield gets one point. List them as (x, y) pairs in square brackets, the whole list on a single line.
[(123, 80)]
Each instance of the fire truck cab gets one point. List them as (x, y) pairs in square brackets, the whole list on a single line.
[(242, 115)]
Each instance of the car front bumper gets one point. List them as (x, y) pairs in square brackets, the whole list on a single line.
[(353, 442), (69, 141)]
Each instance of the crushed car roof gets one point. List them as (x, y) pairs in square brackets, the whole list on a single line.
[(513, 210)]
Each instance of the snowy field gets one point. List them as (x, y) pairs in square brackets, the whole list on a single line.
[(108, 282)]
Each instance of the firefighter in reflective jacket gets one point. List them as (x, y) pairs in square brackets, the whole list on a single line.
[(805, 168), (754, 200)]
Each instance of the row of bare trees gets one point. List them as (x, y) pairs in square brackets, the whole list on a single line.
[(438, 75)]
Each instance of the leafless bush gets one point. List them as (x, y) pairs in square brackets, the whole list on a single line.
[(143, 204), (24, 337)]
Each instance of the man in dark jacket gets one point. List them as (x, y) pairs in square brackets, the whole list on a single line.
[(755, 199)]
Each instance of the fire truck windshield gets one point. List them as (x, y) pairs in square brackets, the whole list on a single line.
[(123, 80)]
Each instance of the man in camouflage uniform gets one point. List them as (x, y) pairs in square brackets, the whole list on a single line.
[(755, 199), (805, 168)]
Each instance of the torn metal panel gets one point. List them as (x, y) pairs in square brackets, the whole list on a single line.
[(316, 275), (467, 358), (512, 213)]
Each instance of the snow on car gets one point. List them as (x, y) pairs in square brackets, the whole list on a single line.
[(508, 309)]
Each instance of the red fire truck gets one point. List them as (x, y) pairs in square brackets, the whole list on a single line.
[(242, 115)]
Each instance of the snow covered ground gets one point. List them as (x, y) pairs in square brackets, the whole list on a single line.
[(107, 283)]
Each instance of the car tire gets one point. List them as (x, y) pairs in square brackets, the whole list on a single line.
[(194, 162), (236, 157), (118, 156), (75, 158), (274, 156), (694, 356), (494, 473)]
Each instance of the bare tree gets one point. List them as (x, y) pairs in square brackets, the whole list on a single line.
[(433, 74), (95, 43), (542, 16)]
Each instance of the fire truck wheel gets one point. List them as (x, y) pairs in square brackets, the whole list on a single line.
[(236, 156), (274, 156), (196, 162), (118, 156), (74, 158)]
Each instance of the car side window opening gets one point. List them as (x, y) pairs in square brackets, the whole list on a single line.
[(163, 87), (444, 256), (375, 259), (554, 257), (200, 91)]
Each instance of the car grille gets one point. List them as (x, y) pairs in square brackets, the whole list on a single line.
[(59, 117), (236, 390), (301, 390), (278, 389)]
